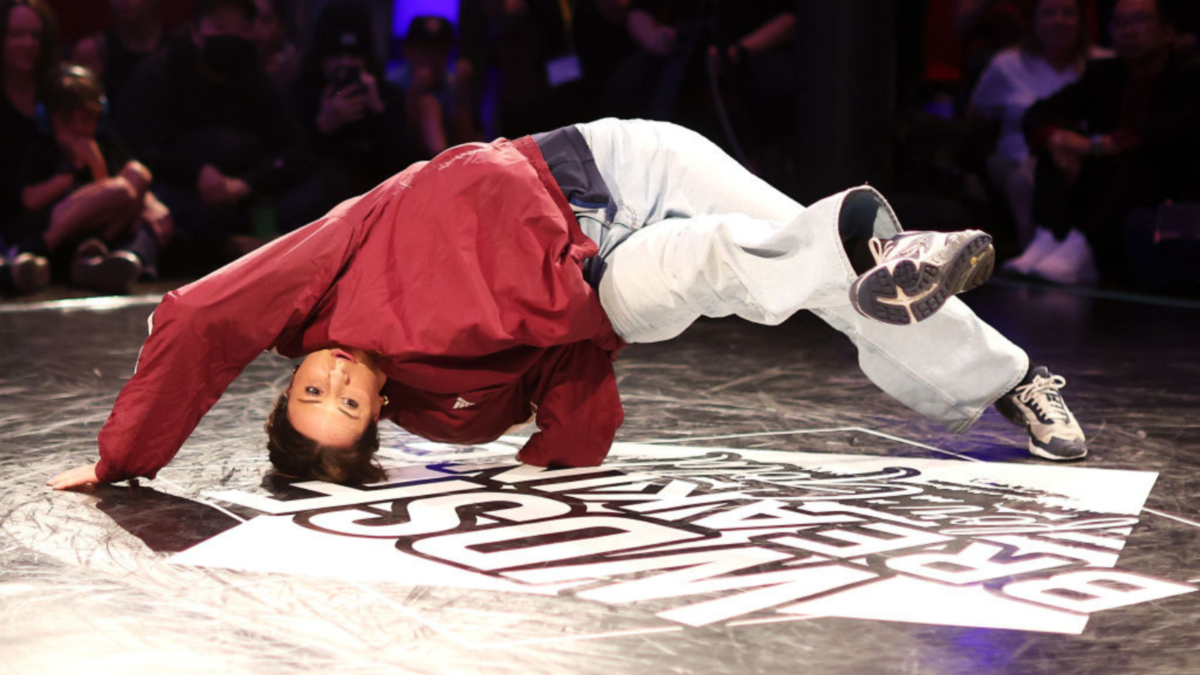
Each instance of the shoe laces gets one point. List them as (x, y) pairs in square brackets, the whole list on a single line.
[(1043, 394), (880, 247), (904, 244)]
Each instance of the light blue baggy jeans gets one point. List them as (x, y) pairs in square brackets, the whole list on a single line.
[(696, 234)]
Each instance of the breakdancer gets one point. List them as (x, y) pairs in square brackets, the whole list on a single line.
[(493, 284)]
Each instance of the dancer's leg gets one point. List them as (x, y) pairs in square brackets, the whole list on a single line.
[(724, 242)]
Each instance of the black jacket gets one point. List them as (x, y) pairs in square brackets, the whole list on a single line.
[(1164, 131), (176, 120)]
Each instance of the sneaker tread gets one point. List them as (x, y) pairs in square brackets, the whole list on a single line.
[(926, 286)]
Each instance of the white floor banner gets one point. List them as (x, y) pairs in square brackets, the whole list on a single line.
[(699, 536)]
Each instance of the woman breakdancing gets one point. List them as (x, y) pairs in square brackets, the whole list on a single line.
[(495, 282)]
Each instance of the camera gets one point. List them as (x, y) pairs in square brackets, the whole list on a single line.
[(345, 77)]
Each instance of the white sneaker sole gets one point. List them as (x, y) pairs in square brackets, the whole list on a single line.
[(908, 290)]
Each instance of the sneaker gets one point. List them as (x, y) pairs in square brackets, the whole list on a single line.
[(113, 273), (30, 273), (6, 278), (1036, 405), (1043, 244), (91, 248), (916, 272), (1071, 264)]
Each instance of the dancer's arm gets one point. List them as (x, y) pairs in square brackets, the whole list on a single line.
[(578, 409), (80, 475), (203, 335)]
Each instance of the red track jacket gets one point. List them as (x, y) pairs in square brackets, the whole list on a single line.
[(462, 273)]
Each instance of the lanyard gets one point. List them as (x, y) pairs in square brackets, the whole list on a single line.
[(568, 17)]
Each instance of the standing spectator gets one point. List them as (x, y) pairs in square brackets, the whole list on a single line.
[(215, 132), (278, 55), (439, 107), (1125, 135), (1052, 55), (602, 42), (76, 183), (760, 76), (30, 48), (670, 37), (137, 32), (530, 45), (354, 116)]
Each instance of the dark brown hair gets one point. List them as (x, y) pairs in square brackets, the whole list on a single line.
[(203, 8), (48, 49), (1031, 45), (297, 456)]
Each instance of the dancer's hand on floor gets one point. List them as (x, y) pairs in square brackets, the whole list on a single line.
[(73, 478)]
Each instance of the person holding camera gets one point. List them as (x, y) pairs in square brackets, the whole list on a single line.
[(217, 134), (354, 117), (438, 103)]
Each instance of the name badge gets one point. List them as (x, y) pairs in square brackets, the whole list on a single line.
[(563, 69)]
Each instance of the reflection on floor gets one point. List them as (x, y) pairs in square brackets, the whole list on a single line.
[(766, 509)]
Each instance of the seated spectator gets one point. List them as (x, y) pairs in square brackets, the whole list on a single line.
[(279, 57), (524, 45), (354, 116), (1125, 135), (1184, 17), (204, 117), (984, 28), (1052, 55), (136, 33), (29, 49), (77, 185), (438, 106)]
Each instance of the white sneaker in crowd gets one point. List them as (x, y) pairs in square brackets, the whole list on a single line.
[(1071, 264), (30, 273), (97, 268), (1043, 244)]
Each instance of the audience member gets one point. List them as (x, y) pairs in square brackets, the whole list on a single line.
[(988, 26), (278, 55), (439, 107), (353, 114), (136, 33), (667, 42), (760, 84), (30, 49), (530, 46), (602, 42), (1052, 55), (984, 28), (216, 133), (1184, 16), (76, 183), (670, 39), (1125, 135)]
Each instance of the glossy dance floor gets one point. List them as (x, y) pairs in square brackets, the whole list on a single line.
[(767, 511)]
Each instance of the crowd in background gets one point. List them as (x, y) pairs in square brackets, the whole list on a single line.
[(1074, 128), (184, 134)]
